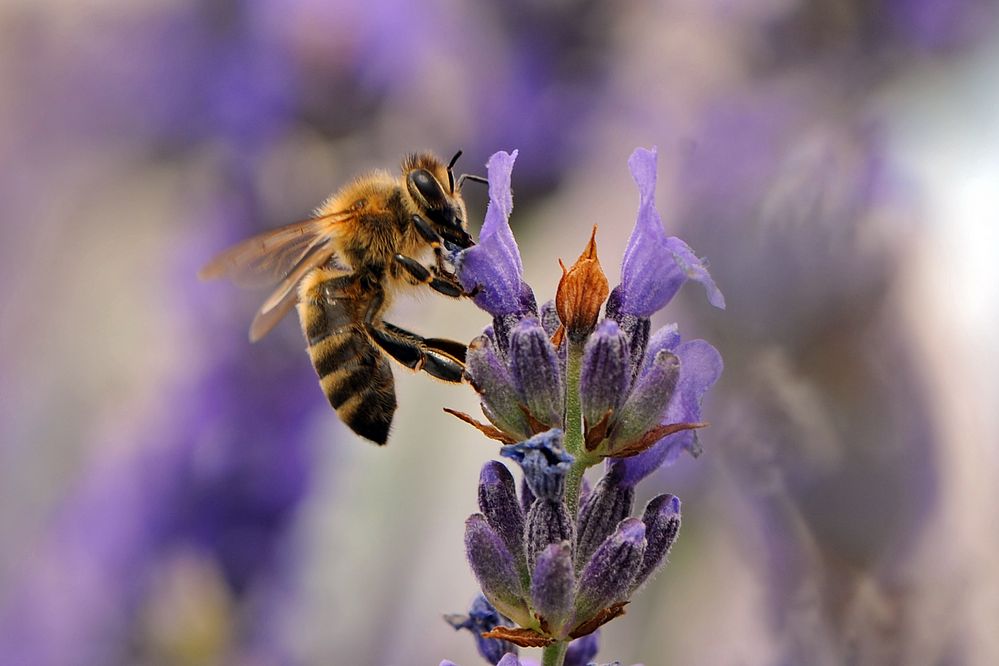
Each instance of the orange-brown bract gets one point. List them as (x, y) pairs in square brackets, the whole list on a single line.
[(342, 268)]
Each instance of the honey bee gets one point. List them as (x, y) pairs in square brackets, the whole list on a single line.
[(364, 244)]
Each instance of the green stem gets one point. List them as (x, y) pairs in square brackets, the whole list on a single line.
[(573, 406), (554, 654), (574, 443), (573, 481)]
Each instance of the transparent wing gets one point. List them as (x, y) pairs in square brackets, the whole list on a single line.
[(271, 256), (285, 295)]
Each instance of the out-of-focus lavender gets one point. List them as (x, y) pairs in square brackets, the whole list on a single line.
[(830, 158)]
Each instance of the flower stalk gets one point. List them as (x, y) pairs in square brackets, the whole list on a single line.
[(554, 655)]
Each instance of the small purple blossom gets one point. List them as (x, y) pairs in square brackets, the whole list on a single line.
[(493, 266), (544, 461), (656, 266), (482, 618)]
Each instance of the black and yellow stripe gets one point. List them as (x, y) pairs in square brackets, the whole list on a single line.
[(354, 375)]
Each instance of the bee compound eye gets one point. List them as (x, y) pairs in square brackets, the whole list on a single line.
[(428, 186)]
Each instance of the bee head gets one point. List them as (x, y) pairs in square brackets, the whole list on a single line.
[(441, 205)]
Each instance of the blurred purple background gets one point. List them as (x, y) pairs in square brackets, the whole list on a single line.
[(170, 494)]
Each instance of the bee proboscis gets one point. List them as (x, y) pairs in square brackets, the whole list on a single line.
[(343, 266)]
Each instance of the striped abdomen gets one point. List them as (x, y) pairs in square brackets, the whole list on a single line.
[(353, 373)]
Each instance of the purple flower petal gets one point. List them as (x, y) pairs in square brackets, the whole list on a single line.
[(582, 651), (494, 266), (700, 367), (483, 618), (656, 266)]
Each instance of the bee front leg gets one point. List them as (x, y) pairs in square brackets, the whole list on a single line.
[(437, 244), (444, 284)]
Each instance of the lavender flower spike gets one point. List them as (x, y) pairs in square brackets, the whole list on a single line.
[(656, 266), (493, 268)]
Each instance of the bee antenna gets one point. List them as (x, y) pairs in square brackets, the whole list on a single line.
[(469, 176), (450, 176)]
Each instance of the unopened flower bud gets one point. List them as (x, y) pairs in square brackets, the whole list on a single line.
[(608, 504), (548, 522), (553, 586), (581, 292), (662, 523), (501, 400), (647, 403), (495, 569), (605, 374), (498, 502), (607, 577), (536, 372)]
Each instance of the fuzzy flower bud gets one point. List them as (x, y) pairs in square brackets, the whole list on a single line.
[(499, 504), (495, 569), (607, 578), (552, 586), (604, 377), (581, 292), (647, 403), (635, 329), (548, 522), (608, 504), (490, 377), (662, 524), (536, 372)]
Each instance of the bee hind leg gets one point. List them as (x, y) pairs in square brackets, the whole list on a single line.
[(440, 358)]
